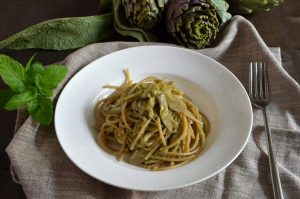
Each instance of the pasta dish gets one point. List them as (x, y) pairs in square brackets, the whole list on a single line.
[(151, 124)]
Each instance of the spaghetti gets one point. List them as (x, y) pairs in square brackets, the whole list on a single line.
[(151, 124)]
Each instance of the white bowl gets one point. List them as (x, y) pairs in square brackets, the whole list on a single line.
[(213, 88)]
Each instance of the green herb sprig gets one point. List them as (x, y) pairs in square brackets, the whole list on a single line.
[(30, 86)]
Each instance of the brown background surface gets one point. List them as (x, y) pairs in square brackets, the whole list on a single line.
[(19, 14), (15, 16)]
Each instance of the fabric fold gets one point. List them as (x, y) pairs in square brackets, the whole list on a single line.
[(44, 171)]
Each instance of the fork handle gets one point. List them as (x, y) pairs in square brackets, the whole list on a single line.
[(277, 190)]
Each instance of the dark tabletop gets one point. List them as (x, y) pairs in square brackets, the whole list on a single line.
[(18, 14), (15, 16)]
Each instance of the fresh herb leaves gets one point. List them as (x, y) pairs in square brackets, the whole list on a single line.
[(30, 86), (12, 73), (41, 109), (20, 99)]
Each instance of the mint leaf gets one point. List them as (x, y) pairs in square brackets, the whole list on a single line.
[(32, 105), (5, 96), (19, 100), (29, 63), (41, 110), (53, 75), (31, 86), (43, 90), (12, 73), (35, 69)]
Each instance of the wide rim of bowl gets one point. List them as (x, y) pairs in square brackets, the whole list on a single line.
[(243, 90)]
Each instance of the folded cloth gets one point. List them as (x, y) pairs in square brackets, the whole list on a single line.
[(44, 171)]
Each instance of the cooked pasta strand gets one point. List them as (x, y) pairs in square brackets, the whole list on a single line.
[(161, 134), (151, 124), (181, 136), (140, 133)]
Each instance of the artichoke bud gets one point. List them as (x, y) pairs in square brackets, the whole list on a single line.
[(251, 6), (144, 14), (193, 23)]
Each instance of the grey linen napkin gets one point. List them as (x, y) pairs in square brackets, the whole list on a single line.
[(44, 171)]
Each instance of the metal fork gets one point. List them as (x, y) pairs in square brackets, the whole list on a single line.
[(260, 98)]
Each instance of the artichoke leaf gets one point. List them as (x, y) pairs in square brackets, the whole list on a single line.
[(144, 14), (150, 106), (165, 114), (221, 8), (138, 156), (175, 103), (123, 27), (250, 6)]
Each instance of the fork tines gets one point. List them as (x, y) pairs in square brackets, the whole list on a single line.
[(258, 81)]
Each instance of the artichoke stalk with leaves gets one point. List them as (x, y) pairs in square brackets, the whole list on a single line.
[(144, 14), (250, 6), (193, 23)]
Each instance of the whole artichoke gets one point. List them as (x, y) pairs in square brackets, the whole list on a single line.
[(250, 6), (144, 14), (193, 23)]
